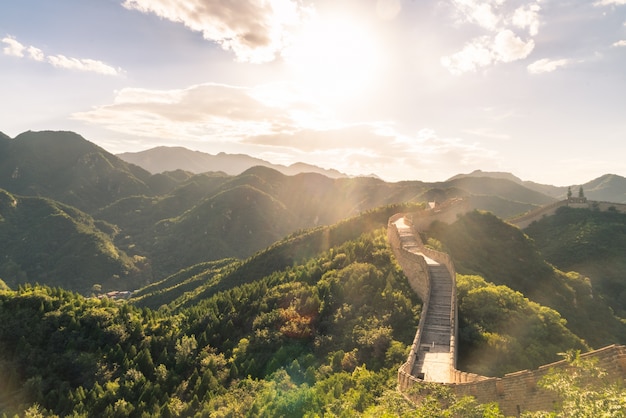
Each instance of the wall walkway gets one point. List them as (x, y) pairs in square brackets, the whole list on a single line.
[(432, 357)]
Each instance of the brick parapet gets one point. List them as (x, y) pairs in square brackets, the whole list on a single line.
[(518, 392), (525, 220)]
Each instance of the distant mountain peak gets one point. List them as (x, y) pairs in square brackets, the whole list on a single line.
[(492, 174), (163, 158)]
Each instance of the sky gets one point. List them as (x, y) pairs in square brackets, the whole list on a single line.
[(403, 89)]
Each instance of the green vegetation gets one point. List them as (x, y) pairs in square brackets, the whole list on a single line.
[(501, 331), (44, 240), (482, 244), (64, 166), (324, 335), (255, 306), (590, 242), (584, 389)]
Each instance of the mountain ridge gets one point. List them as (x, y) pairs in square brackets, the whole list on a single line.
[(164, 158)]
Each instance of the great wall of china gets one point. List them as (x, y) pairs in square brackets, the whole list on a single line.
[(433, 354)]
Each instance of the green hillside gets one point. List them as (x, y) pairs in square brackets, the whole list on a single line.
[(316, 324), (590, 242), (482, 244), (176, 219), (65, 167), (48, 242)]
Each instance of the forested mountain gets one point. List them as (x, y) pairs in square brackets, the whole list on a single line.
[(48, 242), (173, 219), (65, 167), (265, 294), (482, 244), (590, 242), (283, 333)]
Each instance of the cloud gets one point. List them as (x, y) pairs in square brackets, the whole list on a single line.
[(485, 51), (16, 49), (502, 45), (255, 30), (81, 64), (527, 17), (475, 54), (477, 12), (509, 48), (620, 43), (546, 65), (275, 120), (210, 111), (36, 53), (13, 47)]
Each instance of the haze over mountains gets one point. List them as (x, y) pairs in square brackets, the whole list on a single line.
[(150, 225), (160, 159), (609, 187)]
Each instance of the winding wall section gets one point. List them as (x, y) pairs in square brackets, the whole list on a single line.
[(433, 354)]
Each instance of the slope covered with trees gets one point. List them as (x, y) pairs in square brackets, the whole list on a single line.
[(590, 242), (480, 243), (174, 219), (269, 294), (322, 333), (46, 241)]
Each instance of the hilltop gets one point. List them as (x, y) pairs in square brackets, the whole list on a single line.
[(606, 188)]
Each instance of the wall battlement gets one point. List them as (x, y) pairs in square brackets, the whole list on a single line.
[(515, 392)]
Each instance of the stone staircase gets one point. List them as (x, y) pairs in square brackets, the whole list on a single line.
[(434, 356), (434, 361)]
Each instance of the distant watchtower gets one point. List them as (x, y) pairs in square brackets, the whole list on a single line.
[(580, 200)]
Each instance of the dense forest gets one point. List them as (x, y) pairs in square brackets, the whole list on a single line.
[(262, 294), (324, 335)]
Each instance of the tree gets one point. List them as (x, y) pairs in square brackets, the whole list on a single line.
[(585, 390), (581, 193), (569, 192)]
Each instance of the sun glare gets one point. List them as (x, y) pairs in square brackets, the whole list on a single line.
[(333, 58)]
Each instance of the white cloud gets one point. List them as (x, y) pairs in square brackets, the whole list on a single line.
[(36, 53), (81, 64), (509, 48), (502, 45), (255, 30), (620, 43), (474, 55), (527, 17), (485, 51), (546, 65), (213, 111), (13, 47), (16, 49), (478, 12), (255, 121)]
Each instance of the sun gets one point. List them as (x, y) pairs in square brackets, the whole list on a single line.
[(333, 57)]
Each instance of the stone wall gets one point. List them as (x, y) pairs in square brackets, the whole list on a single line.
[(413, 265), (416, 271), (537, 214), (515, 392)]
